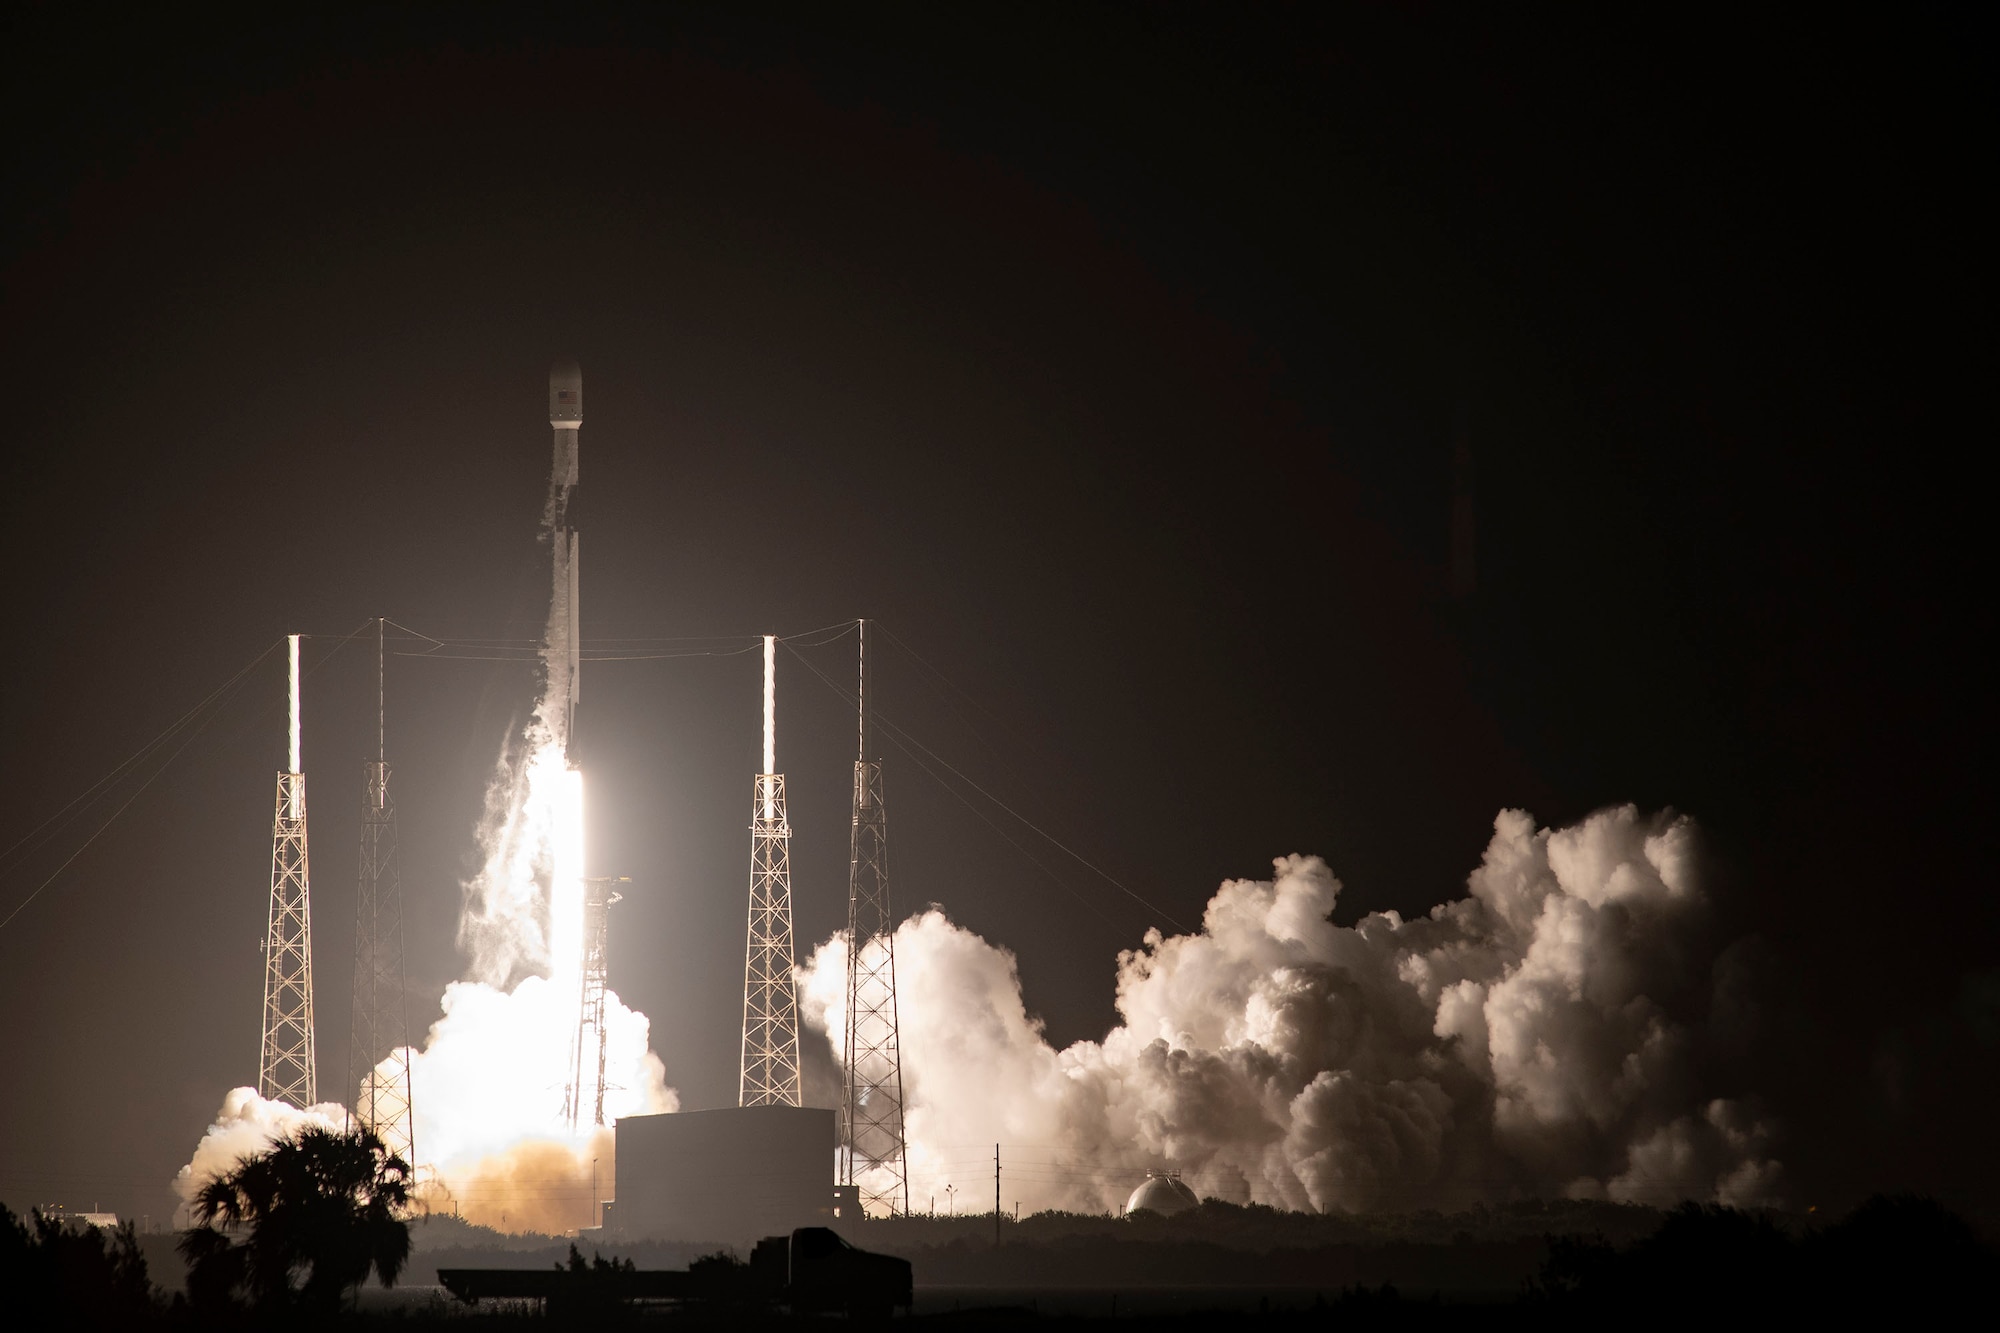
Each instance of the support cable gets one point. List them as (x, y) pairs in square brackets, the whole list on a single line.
[(215, 697), (148, 748), (910, 745)]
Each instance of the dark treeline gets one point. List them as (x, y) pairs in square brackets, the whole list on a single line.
[(1893, 1257), (83, 1275), (1256, 1227)]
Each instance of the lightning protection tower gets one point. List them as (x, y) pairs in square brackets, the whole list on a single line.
[(379, 1052), (592, 1041), (872, 1154), (286, 1070), (770, 999)]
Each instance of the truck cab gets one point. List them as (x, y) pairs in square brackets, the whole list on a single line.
[(814, 1269)]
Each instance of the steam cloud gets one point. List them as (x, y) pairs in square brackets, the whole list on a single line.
[(1544, 1034)]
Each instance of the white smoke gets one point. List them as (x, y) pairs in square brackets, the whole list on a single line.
[(504, 924), (246, 1125), (1541, 1035)]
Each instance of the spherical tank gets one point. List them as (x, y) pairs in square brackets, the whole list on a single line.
[(1163, 1193)]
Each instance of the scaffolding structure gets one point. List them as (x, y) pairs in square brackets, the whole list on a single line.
[(770, 1068), (378, 1053), (873, 1159), (286, 1070), (592, 1040)]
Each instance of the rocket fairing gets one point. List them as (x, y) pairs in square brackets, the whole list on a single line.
[(566, 394)]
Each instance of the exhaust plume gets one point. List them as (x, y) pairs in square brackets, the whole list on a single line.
[(488, 1087), (1543, 1035)]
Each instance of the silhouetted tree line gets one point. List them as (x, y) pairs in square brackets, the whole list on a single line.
[(291, 1230), (1895, 1256), (591, 1293), (1260, 1227), (289, 1234), (55, 1269)]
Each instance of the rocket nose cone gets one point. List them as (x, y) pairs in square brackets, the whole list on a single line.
[(565, 392)]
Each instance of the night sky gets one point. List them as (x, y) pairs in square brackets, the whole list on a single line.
[(1114, 363)]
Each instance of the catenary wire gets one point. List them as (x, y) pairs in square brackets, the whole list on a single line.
[(113, 818), (910, 745), (139, 755)]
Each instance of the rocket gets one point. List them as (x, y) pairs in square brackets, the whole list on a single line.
[(565, 658)]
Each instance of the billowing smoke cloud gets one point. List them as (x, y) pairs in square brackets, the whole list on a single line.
[(1543, 1035), (246, 1124), (538, 1185)]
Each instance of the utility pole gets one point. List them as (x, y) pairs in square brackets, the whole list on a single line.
[(872, 1144), (286, 1069), (378, 1059), (996, 1196), (770, 1069)]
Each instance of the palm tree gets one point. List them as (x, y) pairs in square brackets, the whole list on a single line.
[(318, 1205)]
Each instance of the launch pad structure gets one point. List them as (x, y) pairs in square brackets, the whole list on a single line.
[(770, 1066), (378, 1067), (873, 1159), (286, 1069), (598, 895)]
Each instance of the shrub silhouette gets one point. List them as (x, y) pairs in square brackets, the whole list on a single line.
[(593, 1289), (1702, 1257), (1895, 1255), (56, 1269), (1902, 1253), (318, 1205)]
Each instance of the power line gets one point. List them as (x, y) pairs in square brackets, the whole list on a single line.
[(214, 697), (905, 742), (136, 757)]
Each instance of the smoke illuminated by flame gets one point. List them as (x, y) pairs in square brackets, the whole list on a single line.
[(489, 1081), (490, 1084)]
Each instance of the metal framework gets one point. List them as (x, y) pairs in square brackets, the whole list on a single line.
[(378, 1054), (770, 996), (591, 1037), (286, 1070), (872, 1156)]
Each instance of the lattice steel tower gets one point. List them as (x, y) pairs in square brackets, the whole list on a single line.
[(872, 1154), (378, 1059), (592, 1040), (770, 998), (286, 1070)]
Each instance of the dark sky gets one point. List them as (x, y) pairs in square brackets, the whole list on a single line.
[(1113, 362)]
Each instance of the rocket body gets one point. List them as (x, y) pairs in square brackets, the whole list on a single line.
[(565, 656)]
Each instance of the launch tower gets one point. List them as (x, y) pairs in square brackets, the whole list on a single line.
[(592, 1041), (770, 998), (379, 1055), (871, 1149), (286, 1070)]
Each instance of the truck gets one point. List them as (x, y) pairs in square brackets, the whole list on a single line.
[(811, 1270)]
